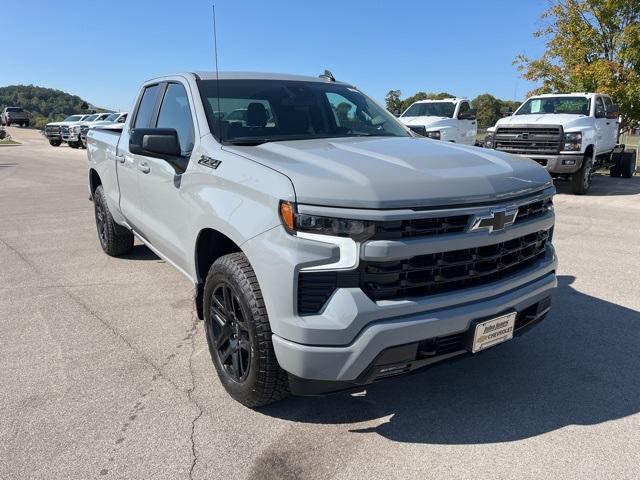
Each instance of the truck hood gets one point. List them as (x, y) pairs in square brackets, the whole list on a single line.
[(398, 172), (563, 119), (426, 121)]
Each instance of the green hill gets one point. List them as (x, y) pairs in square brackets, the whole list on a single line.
[(44, 104)]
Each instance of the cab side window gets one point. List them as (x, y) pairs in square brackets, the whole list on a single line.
[(600, 111), (146, 107), (175, 113), (464, 108)]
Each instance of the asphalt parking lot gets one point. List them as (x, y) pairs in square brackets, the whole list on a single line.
[(105, 371)]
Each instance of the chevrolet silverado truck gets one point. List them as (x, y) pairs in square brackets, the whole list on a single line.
[(451, 120), (15, 115), (326, 251), (571, 135), (57, 132)]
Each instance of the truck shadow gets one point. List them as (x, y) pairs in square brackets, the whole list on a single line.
[(604, 185), (140, 252), (579, 367)]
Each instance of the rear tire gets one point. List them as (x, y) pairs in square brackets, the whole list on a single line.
[(628, 164), (114, 239), (581, 180), (239, 334)]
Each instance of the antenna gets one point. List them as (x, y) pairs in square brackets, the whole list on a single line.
[(215, 53)]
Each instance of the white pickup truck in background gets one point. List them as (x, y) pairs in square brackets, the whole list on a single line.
[(450, 119), (571, 135)]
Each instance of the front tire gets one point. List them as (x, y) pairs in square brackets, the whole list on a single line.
[(73, 144), (114, 239), (55, 143), (239, 334), (581, 180)]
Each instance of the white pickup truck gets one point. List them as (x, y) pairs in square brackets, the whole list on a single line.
[(450, 119), (571, 135), (328, 247)]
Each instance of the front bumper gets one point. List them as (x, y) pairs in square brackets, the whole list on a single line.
[(71, 137), (53, 136), (343, 340), (348, 363), (560, 164)]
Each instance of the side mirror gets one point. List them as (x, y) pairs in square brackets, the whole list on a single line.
[(155, 142), (468, 115), (612, 111), (160, 143)]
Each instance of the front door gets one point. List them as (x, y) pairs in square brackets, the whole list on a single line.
[(166, 211), (467, 127)]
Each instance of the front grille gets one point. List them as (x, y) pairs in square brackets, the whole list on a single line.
[(65, 130), (426, 274), (528, 140), (453, 270), (534, 209), (53, 129), (420, 227), (84, 129)]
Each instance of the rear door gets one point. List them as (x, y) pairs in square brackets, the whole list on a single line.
[(166, 209), (128, 165)]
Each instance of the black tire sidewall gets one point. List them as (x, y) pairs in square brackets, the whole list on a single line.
[(221, 273)]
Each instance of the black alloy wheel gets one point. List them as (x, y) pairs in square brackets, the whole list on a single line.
[(101, 223), (230, 332)]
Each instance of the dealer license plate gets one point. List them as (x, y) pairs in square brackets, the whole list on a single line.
[(494, 331)]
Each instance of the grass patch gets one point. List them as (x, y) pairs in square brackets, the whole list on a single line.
[(9, 141)]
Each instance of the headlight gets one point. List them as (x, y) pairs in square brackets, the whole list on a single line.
[(488, 140), (572, 142), (294, 222), (435, 134)]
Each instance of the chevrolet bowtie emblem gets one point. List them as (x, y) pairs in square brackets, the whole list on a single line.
[(496, 220)]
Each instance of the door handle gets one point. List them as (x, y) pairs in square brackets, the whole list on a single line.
[(144, 167), (473, 123), (121, 159)]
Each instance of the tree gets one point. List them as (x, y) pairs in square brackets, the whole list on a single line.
[(487, 110), (44, 104), (393, 102), (591, 45)]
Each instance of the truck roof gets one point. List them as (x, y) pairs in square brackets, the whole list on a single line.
[(249, 76), (572, 94), (453, 99)]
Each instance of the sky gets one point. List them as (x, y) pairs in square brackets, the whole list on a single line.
[(103, 50)]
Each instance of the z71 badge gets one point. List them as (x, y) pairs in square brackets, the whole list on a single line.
[(209, 162)]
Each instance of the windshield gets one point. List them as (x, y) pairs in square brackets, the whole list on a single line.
[(73, 118), (91, 118), (112, 118), (547, 105), (251, 112), (431, 109), (14, 109)]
